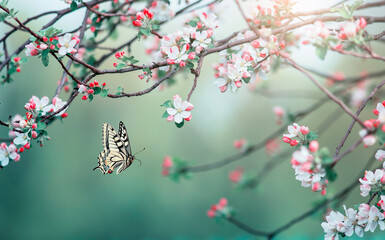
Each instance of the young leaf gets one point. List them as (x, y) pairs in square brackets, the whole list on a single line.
[(40, 126), (321, 51), (104, 93)]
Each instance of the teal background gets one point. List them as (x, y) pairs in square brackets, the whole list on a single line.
[(52, 193)]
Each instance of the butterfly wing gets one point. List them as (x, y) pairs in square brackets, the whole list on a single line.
[(108, 161), (124, 138), (111, 140)]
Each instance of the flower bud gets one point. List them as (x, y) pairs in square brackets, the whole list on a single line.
[(313, 146)]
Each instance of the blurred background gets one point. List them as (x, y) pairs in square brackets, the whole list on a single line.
[(53, 192)]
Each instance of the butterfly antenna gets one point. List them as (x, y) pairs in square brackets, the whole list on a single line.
[(140, 161), (139, 151)]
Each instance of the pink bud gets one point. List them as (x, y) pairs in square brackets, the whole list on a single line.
[(17, 158), (170, 118), (209, 33), (323, 192), (137, 23), (165, 172), (223, 202), (190, 107), (223, 88), (376, 112), (182, 64), (170, 61), (188, 118), (211, 213), (34, 126), (315, 187), (238, 84), (27, 146), (3, 145), (286, 139), (294, 142), (167, 162), (198, 49), (34, 134), (304, 130), (191, 55), (313, 146), (34, 52), (383, 179), (362, 23)]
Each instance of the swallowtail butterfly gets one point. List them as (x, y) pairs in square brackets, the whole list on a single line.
[(117, 150)]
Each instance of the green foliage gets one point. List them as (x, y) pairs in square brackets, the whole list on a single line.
[(381, 137), (119, 91), (167, 104), (104, 93), (41, 126), (311, 136), (321, 51), (179, 125), (346, 11), (331, 174), (45, 57)]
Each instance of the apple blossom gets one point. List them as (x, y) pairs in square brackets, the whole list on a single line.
[(8, 153), (67, 44), (179, 111)]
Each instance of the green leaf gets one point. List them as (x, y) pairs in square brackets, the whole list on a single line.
[(45, 60), (74, 6), (104, 93), (321, 51), (121, 65), (165, 114), (145, 31), (331, 175), (166, 104), (45, 52), (311, 136), (179, 125), (23, 60), (41, 126), (189, 65), (90, 97), (97, 90), (119, 90)]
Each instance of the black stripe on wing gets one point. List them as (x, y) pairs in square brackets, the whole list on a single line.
[(108, 161), (124, 137), (112, 141)]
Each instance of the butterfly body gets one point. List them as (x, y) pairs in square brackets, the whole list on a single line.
[(117, 150)]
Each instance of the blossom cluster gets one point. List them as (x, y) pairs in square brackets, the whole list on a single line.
[(173, 167), (31, 126), (92, 90), (63, 44), (366, 217), (239, 63), (269, 17), (8, 153), (220, 210), (350, 33), (375, 128), (178, 111), (182, 46), (309, 168), (298, 135)]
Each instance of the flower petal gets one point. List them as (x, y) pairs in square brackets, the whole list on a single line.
[(178, 118), (185, 114), (171, 111)]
